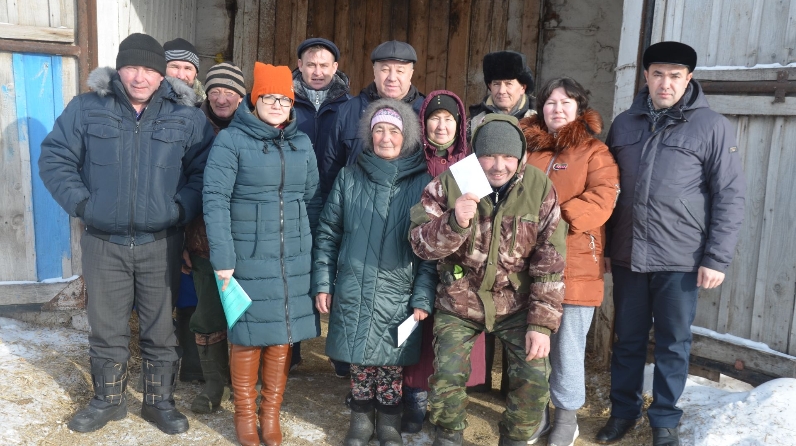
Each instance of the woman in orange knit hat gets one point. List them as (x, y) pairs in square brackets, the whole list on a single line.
[(260, 201)]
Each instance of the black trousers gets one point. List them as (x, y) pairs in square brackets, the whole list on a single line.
[(667, 301), (119, 277)]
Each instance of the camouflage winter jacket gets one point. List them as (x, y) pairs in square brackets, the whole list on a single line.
[(484, 281)]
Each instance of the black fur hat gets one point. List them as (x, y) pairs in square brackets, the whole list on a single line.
[(674, 53), (505, 65)]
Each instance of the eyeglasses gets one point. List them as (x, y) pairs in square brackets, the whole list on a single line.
[(284, 101), (215, 94)]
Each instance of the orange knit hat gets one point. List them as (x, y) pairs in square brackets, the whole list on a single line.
[(269, 79)]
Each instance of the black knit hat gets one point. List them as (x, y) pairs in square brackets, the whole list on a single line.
[(674, 53), (328, 44), (442, 102), (141, 50), (506, 65), (225, 75), (181, 49)]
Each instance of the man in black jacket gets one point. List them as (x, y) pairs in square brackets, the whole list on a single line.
[(674, 230), (128, 159)]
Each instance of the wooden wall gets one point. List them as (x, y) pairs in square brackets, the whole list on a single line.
[(38, 239), (451, 37), (163, 20), (41, 20)]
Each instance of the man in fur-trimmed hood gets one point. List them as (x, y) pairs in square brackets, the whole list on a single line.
[(127, 159), (509, 81)]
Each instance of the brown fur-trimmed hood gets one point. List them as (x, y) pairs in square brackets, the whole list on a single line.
[(574, 134)]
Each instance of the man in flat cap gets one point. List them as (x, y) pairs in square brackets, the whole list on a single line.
[(128, 159), (673, 231), (182, 62), (320, 90), (393, 65), (509, 81)]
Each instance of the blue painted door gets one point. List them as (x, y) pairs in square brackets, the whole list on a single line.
[(38, 81)]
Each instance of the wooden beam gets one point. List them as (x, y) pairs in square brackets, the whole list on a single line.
[(741, 74), (37, 33), (30, 292), (741, 357), (751, 105), (29, 46)]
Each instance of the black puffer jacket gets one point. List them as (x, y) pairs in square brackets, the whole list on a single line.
[(682, 199), (128, 178)]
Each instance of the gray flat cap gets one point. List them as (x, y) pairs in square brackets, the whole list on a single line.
[(394, 50)]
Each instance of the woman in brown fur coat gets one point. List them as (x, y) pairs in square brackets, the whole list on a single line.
[(562, 143)]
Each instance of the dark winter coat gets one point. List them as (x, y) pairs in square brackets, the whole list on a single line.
[(525, 109), (260, 201), (126, 178), (682, 200), (318, 124), (363, 258), (587, 182), (459, 149), (344, 143)]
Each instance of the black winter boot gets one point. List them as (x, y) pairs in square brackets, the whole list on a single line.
[(190, 365), (215, 367), (664, 436), (565, 428), (448, 437), (388, 424), (158, 406), (109, 402), (362, 425), (415, 406)]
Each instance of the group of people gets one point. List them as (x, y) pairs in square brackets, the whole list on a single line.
[(318, 202)]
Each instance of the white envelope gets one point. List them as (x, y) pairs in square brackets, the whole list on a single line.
[(471, 177), (406, 328)]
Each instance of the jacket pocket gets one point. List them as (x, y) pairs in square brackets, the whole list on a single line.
[(102, 144), (697, 220)]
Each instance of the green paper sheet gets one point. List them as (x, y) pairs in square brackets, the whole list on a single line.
[(234, 300)]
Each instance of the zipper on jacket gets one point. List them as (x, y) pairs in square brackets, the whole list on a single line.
[(134, 182), (592, 246), (282, 234)]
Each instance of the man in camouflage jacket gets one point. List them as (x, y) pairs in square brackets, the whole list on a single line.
[(512, 287)]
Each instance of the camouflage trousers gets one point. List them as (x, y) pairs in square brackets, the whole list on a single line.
[(528, 389)]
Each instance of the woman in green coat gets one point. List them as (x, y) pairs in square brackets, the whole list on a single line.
[(260, 201), (364, 271)]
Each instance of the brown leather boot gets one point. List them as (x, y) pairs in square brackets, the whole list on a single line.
[(244, 364), (276, 366)]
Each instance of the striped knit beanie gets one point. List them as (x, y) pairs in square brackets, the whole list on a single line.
[(225, 75), (181, 49)]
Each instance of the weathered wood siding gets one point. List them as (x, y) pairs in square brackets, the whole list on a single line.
[(43, 20), (163, 20), (451, 37), (748, 40)]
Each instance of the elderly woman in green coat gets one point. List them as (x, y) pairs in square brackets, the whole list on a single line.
[(364, 271), (260, 200)]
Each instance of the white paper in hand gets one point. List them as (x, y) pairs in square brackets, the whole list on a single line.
[(406, 328), (471, 177)]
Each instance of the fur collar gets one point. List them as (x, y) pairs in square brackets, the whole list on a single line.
[(100, 81), (411, 125), (572, 135)]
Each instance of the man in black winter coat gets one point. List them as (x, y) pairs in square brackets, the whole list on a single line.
[(674, 230), (393, 66), (127, 159)]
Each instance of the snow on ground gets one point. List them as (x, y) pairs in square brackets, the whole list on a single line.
[(37, 397), (732, 412)]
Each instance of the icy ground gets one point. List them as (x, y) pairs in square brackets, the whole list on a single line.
[(43, 381)]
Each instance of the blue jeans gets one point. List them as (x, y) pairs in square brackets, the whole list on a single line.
[(666, 301)]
